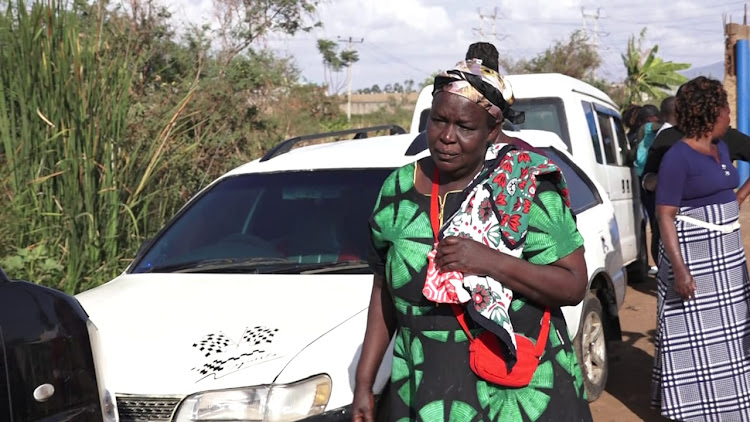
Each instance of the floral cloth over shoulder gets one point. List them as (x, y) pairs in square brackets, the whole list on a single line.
[(495, 213)]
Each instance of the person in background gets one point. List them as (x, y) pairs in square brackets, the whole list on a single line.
[(629, 119), (668, 116), (431, 377), (647, 133), (702, 359)]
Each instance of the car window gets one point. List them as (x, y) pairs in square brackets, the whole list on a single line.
[(583, 194), (608, 138), (544, 114), (588, 109), (305, 217), (622, 141)]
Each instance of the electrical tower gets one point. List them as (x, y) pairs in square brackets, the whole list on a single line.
[(595, 33), (351, 41), (491, 32)]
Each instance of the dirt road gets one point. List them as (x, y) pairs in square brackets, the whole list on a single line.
[(628, 390)]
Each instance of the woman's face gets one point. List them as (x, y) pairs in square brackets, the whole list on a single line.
[(722, 123), (458, 134)]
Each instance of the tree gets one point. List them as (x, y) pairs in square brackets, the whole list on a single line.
[(649, 77), (334, 62), (241, 22), (575, 57)]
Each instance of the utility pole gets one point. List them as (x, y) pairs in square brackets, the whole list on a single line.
[(351, 41), (492, 21), (595, 38)]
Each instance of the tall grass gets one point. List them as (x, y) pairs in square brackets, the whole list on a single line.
[(71, 177), (108, 125)]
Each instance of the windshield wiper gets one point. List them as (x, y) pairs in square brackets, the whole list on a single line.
[(221, 264), (332, 267)]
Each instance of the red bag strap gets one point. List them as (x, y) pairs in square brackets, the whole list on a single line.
[(434, 212), (541, 341)]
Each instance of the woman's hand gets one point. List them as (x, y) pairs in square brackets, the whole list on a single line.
[(363, 405), (463, 255), (684, 284)]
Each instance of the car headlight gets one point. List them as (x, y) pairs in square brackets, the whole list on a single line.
[(106, 399), (273, 403)]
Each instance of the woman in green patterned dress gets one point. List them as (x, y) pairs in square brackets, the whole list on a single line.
[(431, 378)]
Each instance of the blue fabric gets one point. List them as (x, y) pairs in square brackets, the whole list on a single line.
[(690, 178), (643, 147)]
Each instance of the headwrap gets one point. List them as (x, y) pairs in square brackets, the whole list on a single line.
[(481, 85)]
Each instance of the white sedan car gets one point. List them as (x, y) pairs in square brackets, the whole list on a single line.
[(251, 303)]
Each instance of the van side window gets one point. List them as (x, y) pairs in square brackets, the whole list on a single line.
[(608, 138), (583, 194), (622, 140), (588, 109)]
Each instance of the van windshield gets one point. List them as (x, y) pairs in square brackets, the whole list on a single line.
[(253, 222), (544, 114)]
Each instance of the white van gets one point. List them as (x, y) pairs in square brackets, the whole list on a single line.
[(589, 124)]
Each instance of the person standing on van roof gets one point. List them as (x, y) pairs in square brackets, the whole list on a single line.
[(701, 360)]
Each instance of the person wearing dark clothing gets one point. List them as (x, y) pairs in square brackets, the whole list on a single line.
[(739, 149), (738, 143), (629, 119)]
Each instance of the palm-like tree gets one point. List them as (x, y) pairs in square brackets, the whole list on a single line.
[(649, 77)]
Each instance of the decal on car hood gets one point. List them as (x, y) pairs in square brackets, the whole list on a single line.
[(222, 355)]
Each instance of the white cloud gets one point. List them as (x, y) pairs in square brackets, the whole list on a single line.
[(410, 39)]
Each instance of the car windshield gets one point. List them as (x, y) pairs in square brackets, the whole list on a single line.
[(306, 220), (544, 114)]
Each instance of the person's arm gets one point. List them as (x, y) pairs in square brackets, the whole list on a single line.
[(381, 324), (553, 272), (743, 192), (669, 193), (684, 284), (738, 144), (561, 283)]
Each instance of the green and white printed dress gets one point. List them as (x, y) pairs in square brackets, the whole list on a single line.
[(431, 379)]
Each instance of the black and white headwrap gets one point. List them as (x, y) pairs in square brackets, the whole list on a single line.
[(481, 85)]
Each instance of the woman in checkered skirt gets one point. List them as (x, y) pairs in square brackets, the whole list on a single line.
[(702, 359)]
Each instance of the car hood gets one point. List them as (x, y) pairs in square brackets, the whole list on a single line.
[(175, 334)]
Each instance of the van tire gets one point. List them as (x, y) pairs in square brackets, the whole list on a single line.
[(638, 270), (590, 345)]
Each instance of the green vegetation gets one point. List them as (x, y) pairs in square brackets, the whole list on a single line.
[(108, 124)]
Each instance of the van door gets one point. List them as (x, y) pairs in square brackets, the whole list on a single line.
[(610, 152)]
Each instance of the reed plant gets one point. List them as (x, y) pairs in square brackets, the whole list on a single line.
[(73, 182)]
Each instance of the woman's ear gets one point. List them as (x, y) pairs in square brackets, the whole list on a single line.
[(495, 127)]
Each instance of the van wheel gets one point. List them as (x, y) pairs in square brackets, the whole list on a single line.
[(591, 348), (638, 270)]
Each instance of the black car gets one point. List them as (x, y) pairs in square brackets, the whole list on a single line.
[(47, 362)]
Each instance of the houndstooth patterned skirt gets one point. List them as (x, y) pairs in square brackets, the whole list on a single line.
[(702, 357)]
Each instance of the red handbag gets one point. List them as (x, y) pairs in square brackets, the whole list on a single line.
[(486, 354), (485, 351)]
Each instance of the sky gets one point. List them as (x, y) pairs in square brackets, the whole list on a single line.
[(411, 39)]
